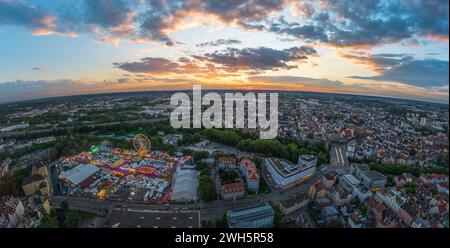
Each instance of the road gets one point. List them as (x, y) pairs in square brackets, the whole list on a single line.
[(208, 211)]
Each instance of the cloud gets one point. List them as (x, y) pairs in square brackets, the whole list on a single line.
[(241, 10), (37, 68), (405, 69), (219, 42), (223, 62), (295, 80), (149, 65), (256, 59), (337, 23), (39, 21), (367, 23), (134, 20)]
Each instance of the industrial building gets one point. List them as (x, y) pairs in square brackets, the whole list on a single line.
[(260, 216), (79, 174), (185, 186)]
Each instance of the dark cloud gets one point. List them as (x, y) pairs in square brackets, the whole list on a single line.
[(223, 61), (335, 22), (165, 15), (107, 13), (219, 42), (406, 69), (262, 58), (369, 23), (149, 65), (17, 13), (241, 10), (133, 19)]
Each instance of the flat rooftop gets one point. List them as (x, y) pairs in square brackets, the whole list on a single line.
[(251, 213), (353, 180), (286, 168), (152, 219)]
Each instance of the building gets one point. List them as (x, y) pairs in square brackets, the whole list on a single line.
[(373, 179), (407, 213), (369, 178), (40, 168), (307, 160), (14, 127), (355, 220), (232, 190), (38, 182), (351, 147), (349, 182), (423, 121), (172, 139), (79, 175), (248, 169), (361, 193), (340, 197), (260, 216), (358, 169), (226, 163), (294, 203), (392, 200), (34, 184), (330, 213), (286, 174), (329, 179), (316, 191), (185, 186)]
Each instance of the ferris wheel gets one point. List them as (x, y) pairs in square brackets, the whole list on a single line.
[(141, 143)]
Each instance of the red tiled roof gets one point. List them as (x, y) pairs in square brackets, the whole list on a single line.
[(227, 160), (233, 187)]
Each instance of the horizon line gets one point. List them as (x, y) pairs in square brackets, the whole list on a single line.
[(187, 90)]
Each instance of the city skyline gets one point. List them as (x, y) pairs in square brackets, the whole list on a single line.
[(382, 48)]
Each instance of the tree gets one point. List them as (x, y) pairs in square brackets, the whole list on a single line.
[(64, 206), (72, 219), (223, 222), (206, 188), (49, 222), (199, 155)]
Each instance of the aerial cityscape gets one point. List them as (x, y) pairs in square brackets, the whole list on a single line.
[(87, 138)]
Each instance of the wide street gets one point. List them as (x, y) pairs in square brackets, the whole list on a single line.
[(208, 211)]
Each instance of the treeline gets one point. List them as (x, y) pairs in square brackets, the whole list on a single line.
[(64, 217), (283, 148), (11, 184), (395, 170)]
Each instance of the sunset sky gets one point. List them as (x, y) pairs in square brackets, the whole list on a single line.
[(383, 48)]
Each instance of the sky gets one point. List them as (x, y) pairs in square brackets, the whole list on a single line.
[(393, 48)]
